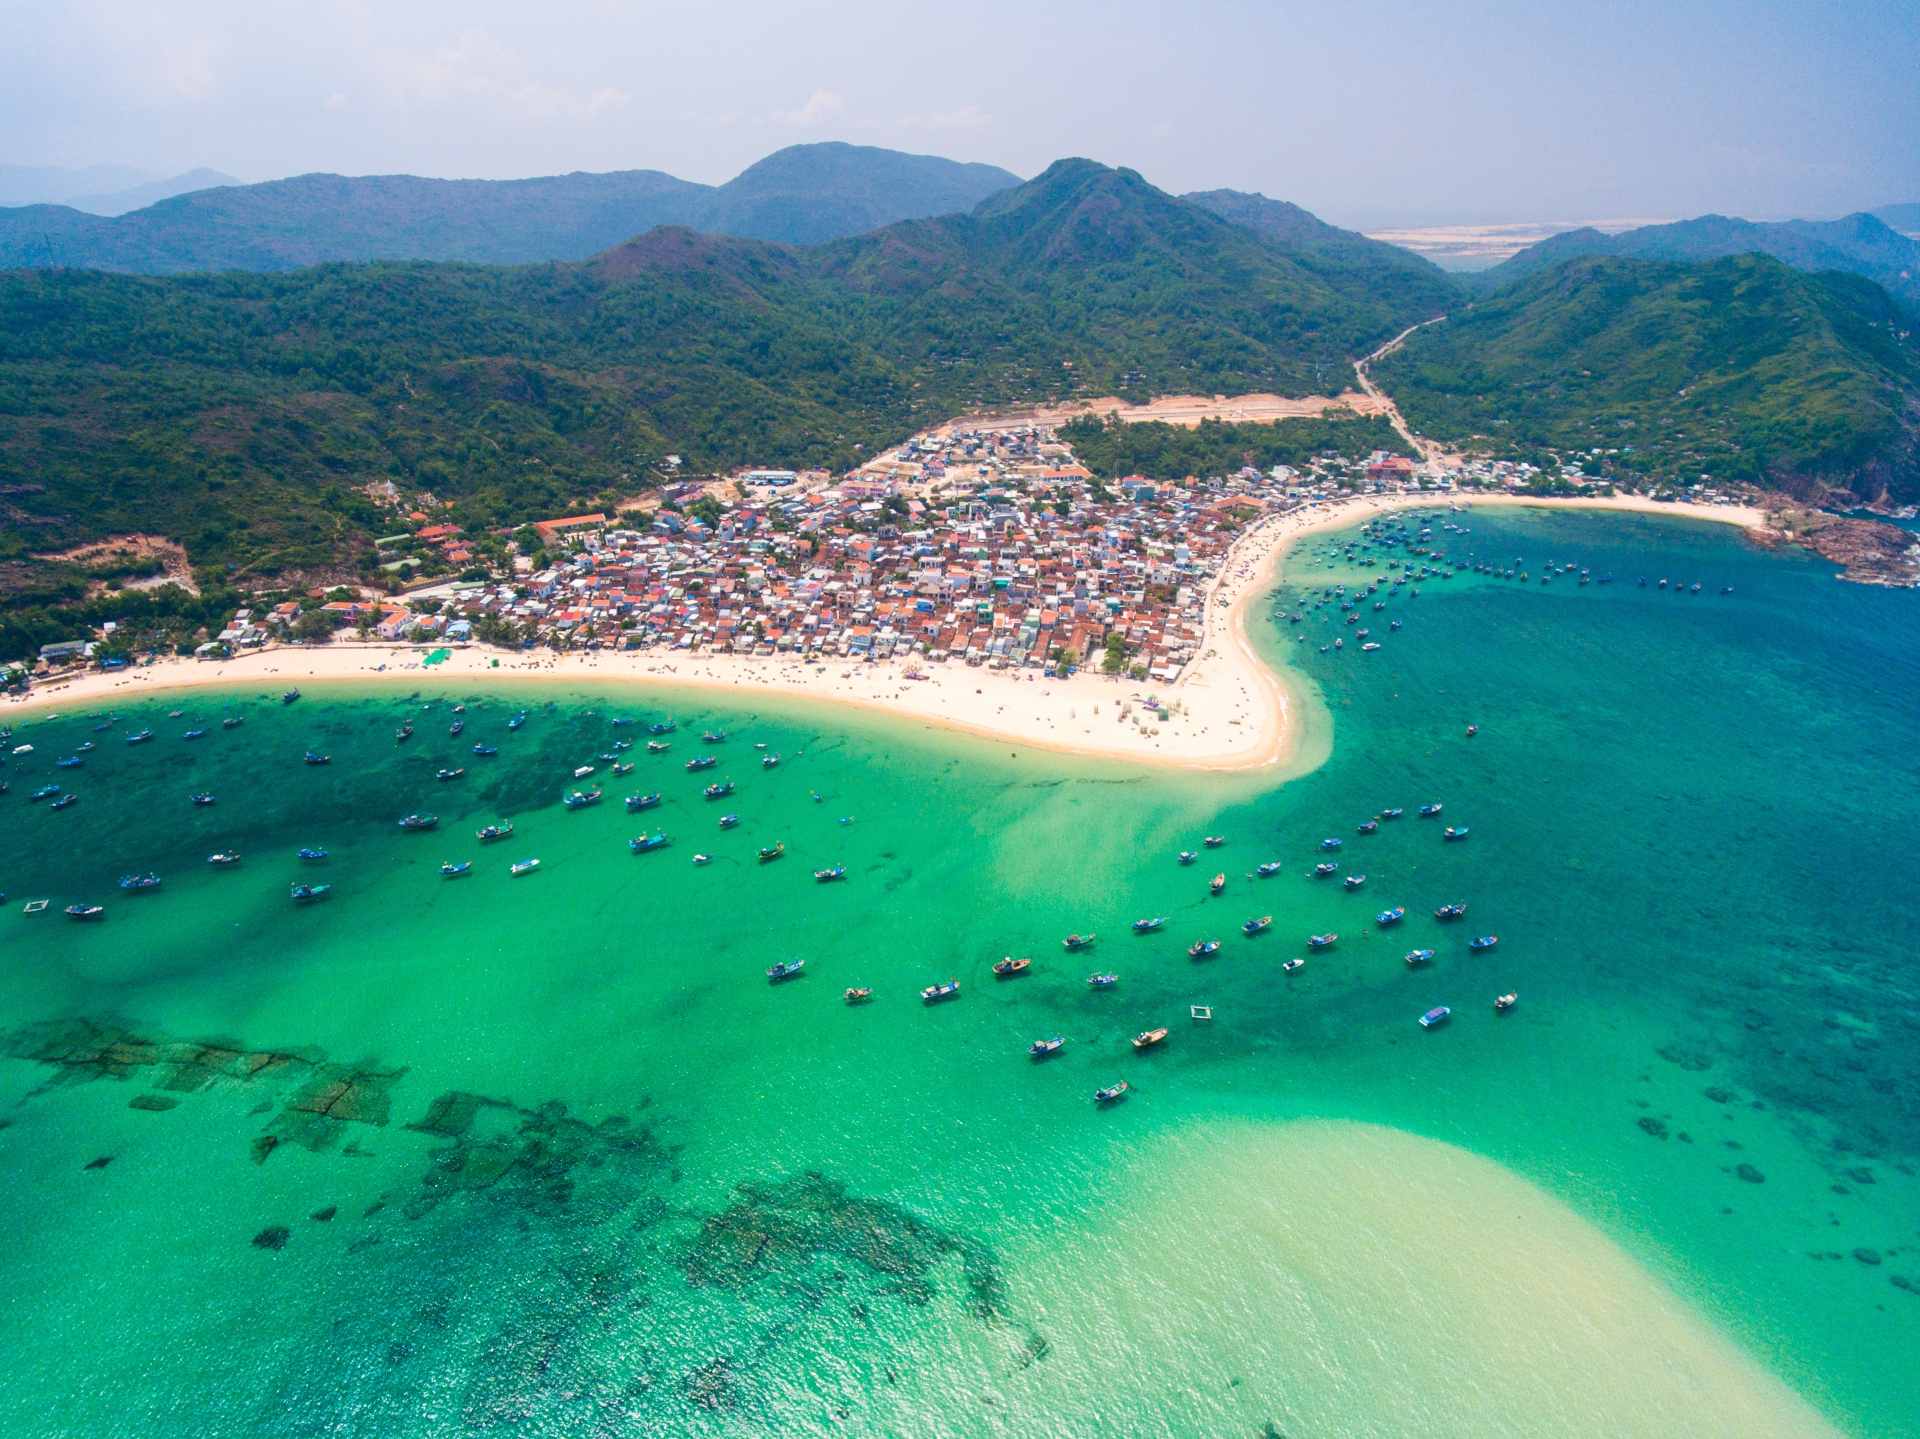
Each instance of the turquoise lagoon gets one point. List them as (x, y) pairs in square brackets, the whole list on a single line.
[(549, 1155)]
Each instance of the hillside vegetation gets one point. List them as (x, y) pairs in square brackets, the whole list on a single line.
[(1112, 447), (1742, 369)]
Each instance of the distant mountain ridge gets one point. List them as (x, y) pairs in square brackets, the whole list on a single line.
[(1860, 244), (801, 195)]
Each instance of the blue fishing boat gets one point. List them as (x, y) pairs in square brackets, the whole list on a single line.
[(1417, 957), (501, 830), (1271, 867), (85, 911), (1325, 869), (668, 727), (623, 744), (637, 802), (728, 821), (714, 737), (828, 876), (1320, 941), (1354, 881), (289, 697), (1395, 625), (456, 867), (655, 746), (1148, 926), (64, 801), (1214, 841), (517, 720), (193, 734), (225, 856), (785, 969), (716, 791), (1331, 843), (1007, 968), (858, 994), (1257, 926), (647, 842), (201, 799), (1111, 1093), (1435, 1016), (705, 761), (580, 799), (313, 853), (1041, 1048), (1188, 856), (456, 727), (1203, 948), (619, 721), (80, 748), (450, 773), (620, 769), (140, 737), (1484, 942), (522, 866), (1450, 911), (1390, 916), (74, 763), (703, 859), (307, 893), (1393, 813), (312, 758), (772, 852), (1078, 941), (486, 749), (419, 821), (1291, 965), (608, 757), (934, 993), (136, 882), (1427, 811), (1452, 833), (1102, 981), (1369, 826), (232, 722), (46, 791), (768, 761)]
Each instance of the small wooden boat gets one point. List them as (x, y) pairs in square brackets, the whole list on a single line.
[(456, 727), (1110, 1093), (1450, 911), (702, 761), (859, 994), (1452, 833), (1148, 926), (85, 911), (728, 821), (1321, 941), (714, 737), (1435, 1016), (785, 969), (73, 763), (137, 882), (1390, 916), (1218, 883), (1393, 813), (1271, 867), (1485, 941), (667, 728), (233, 722), (583, 771), (1369, 826), (1041, 1048), (1331, 843), (1417, 957), (454, 867), (1428, 811), (934, 993), (450, 773), (312, 758), (644, 843), (716, 791), (46, 791), (404, 733), (1291, 965), (501, 830), (1102, 981), (517, 720), (1008, 967), (522, 866), (289, 697), (311, 853), (1257, 926), (620, 769), (141, 737), (580, 799), (700, 859), (636, 802), (1188, 856), (1354, 881), (656, 747), (772, 851), (64, 801), (307, 893), (486, 749), (1147, 1038), (828, 876), (419, 821), (1203, 948), (224, 857), (1214, 841), (768, 761), (1472, 730), (200, 799), (622, 744), (1078, 941), (1506, 1001)]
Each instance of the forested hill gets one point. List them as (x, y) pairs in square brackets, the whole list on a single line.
[(242, 414), (1740, 368), (803, 194)]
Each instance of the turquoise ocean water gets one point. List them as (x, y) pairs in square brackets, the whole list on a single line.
[(549, 1155)]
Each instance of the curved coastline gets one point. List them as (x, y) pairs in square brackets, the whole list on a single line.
[(1238, 713)]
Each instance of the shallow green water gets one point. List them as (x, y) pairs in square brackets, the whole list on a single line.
[(531, 1104)]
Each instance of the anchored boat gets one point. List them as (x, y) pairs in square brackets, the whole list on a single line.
[(1257, 926), (1041, 1048), (1147, 1038), (1417, 957), (1320, 941), (934, 993), (523, 866), (1390, 916), (1435, 1016), (1008, 967), (785, 969)]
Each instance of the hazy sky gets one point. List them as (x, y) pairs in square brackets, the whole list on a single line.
[(1365, 113)]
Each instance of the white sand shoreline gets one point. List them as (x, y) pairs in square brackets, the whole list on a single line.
[(1237, 713)]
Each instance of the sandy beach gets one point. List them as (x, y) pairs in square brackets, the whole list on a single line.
[(1230, 711)]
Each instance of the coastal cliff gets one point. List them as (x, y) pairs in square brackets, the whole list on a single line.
[(1873, 552)]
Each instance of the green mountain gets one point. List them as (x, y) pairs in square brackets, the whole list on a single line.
[(245, 414), (803, 194), (1740, 368), (1859, 244)]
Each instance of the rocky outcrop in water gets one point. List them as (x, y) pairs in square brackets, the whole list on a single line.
[(1873, 553)]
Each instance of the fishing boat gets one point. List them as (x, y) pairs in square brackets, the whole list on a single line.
[(64, 801), (1214, 841), (1506, 1001), (312, 853), (404, 733), (1218, 883), (607, 757), (1188, 856), (621, 769), (716, 791), (225, 856), (1008, 967), (486, 749), (1369, 646), (637, 802), (1257, 926), (728, 821), (1111, 1093), (700, 762), (419, 821), (455, 867), (699, 859), (655, 746), (1201, 948), (1331, 843), (1417, 957), (80, 748), (1394, 626), (200, 799), (618, 721), (772, 851), (1369, 826), (1148, 926), (312, 758), (1041, 1048), (1354, 881), (714, 737), (1437, 1015), (1450, 911), (1393, 813), (934, 993), (768, 761), (623, 744), (1472, 730), (46, 791), (785, 969), (517, 720), (580, 799), (1267, 870), (828, 876), (1320, 941), (1325, 869), (583, 771), (1484, 942), (140, 737), (450, 773), (1291, 965), (859, 994), (456, 727), (668, 727), (1102, 981), (522, 866), (1428, 811), (136, 882), (1453, 833), (1339, 644), (501, 830), (75, 763), (1147, 1038), (1390, 916), (307, 893), (85, 911), (1078, 941), (289, 697)]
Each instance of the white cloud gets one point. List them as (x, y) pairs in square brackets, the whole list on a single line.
[(970, 117), (824, 106), (173, 54), (481, 69), (336, 101)]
